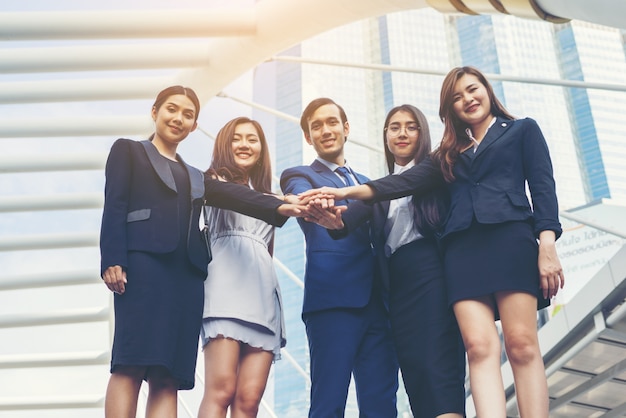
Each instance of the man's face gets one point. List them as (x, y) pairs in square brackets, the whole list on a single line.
[(327, 133)]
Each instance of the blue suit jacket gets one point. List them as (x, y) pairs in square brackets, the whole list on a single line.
[(141, 209), (338, 274), (359, 213), (490, 185)]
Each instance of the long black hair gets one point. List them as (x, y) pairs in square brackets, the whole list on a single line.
[(431, 208)]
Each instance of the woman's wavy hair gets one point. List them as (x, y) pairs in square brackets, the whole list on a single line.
[(454, 137), (431, 208), (223, 161)]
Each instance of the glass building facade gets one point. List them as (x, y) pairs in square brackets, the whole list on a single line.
[(582, 126)]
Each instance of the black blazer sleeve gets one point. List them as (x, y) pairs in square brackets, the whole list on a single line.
[(416, 181), (113, 240), (538, 171), (240, 198)]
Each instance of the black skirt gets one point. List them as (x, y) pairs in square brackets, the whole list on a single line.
[(489, 258)]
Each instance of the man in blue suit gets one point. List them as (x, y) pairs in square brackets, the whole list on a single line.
[(343, 311)]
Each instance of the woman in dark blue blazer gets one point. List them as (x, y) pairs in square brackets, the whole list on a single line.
[(500, 254), (154, 257)]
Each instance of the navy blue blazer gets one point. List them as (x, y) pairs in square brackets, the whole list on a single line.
[(141, 210), (338, 274), (358, 214), (490, 185)]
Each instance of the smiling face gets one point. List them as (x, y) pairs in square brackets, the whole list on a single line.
[(246, 146), (174, 120), (470, 102), (327, 134), (402, 136)]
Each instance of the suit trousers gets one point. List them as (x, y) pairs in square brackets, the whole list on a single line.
[(352, 341)]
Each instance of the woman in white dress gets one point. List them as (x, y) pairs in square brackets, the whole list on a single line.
[(243, 327)]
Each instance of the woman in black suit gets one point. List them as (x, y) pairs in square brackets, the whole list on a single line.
[(495, 268), (154, 257)]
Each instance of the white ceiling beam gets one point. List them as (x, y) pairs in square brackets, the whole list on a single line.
[(60, 201), (119, 24), (50, 278), (120, 56), (29, 163), (69, 316), (81, 358), (123, 88), (48, 241), (31, 402), (443, 72), (46, 127)]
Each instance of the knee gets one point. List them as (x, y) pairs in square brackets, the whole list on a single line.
[(480, 348), (248, 402), (522, 349), (222, 392)]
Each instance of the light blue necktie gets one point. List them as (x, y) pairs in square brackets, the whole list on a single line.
[(345, 173)]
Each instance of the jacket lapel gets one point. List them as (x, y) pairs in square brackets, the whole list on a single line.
[(325, 172), (159, 164), (196, 180), (499, 127)]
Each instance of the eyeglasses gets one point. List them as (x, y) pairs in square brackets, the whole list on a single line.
[(394, 130)]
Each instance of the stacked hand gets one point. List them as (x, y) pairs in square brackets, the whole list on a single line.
[(321, 207), (324, 197)]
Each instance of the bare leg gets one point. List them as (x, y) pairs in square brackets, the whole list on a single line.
[(254, 369), (221, 363), (162, 394), (482, 343), (123, 391), (518, 313), (450, 415)]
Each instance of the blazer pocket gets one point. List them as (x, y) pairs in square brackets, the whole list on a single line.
[(138, 215), (518, 199)]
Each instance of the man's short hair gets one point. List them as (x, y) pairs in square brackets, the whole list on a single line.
[(313, 106)]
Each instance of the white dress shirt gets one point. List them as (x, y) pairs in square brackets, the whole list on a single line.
[(400, 228)]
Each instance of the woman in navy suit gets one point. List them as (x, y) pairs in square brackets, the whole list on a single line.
[(154, 257), (495, 268)]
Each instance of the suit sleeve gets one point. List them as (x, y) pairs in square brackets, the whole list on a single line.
[(539, 174), (293, 181), (118, 172), (240, 198), (416, 181), (358, 213)]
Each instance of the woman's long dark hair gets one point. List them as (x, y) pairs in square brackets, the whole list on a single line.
[(223, 161), (454, 137), (430, 209)]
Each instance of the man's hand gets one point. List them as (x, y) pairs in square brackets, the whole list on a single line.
[(329, 218)]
